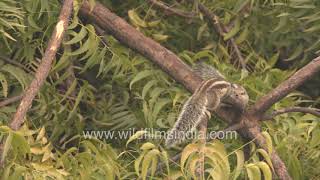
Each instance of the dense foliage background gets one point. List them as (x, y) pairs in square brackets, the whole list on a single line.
[(98, 84)]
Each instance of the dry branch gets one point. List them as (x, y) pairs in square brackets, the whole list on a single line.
[(313, 111), (171, 10), (101, 33), (221, 29), (298, 78), (13, 62), (44, 67), (10, 100)]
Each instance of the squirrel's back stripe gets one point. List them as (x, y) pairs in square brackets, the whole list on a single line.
[(211, 84)]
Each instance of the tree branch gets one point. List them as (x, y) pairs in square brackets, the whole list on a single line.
[(14, 63), (10, 100), (171, 10), (313, 111), (221, 29), (135, 40), (298, 78), (44, 67)]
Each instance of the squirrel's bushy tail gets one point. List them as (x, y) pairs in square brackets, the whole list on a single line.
[(188, 120)]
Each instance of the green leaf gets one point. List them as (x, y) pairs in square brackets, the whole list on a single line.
[(32, 23), (160, 37), (7, 146), (243, 36), (268, 141), (150, 156), (240, 4), (19, 74), (137, 163), (78, 37), (158, 106), (253, 172), (240, 163), (295, 54), (136, 136), (4, 84), (141, 75), (147, 87), (273, 60), (266, 156), (187, 151), (135, 19), (233, 31), (265, 169), (147, 146), (165, 158)]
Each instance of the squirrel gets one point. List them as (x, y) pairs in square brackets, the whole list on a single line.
[(215, 91)]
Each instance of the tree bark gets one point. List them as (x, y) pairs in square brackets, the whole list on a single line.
[(44, 67)]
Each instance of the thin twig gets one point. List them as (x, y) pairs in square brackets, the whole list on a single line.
[(45, 66), (10, 100), (313, 111), (101, 33), (171, 10), (10, 61), (222, 29)]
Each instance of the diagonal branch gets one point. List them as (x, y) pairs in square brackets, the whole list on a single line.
[(221, 29), (171, 10), (313, 111), (14, 63), (45, 66), (135, 40), (297, 79), (10, 100)]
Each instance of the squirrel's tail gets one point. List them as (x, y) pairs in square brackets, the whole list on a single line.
[(187, 122)]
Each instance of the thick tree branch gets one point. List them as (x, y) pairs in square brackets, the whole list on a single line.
[(135, 40), (313, 111), (10, 100), (45, 65), (171, 10), (298, 78)]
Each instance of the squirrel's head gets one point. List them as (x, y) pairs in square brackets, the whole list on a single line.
[(237, 97)]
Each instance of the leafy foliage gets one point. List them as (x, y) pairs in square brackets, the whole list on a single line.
[(114, 88)]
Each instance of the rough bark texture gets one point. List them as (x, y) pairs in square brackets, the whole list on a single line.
[(171, 64), (44, 67)]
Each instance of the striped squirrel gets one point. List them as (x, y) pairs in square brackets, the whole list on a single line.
[(215, 91), (237, 98)]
